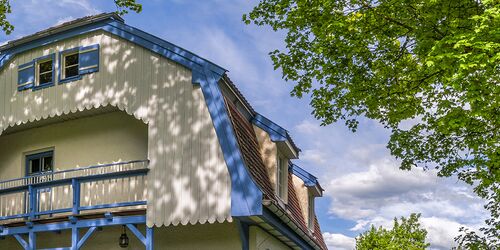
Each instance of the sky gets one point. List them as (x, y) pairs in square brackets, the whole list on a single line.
[(362, 182)]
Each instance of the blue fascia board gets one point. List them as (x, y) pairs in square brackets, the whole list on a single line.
[(246, 197), (284, 229), (134, 35), (276, 132), (309, 179)]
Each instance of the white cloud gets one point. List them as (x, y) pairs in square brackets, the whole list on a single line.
[(315, 156), (339, 241), (308, 127), (381, 192)]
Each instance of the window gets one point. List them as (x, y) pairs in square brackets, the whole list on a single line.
[(45, 72), (39, 163), (310, 219), (70, 65), (282, 177)]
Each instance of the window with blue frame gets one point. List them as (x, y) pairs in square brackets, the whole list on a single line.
[(70, 65), (45, 72), (39, 163)]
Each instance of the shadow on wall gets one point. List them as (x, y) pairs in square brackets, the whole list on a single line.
[(188, 180)]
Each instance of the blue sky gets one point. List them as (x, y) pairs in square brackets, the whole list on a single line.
[(362, 182)]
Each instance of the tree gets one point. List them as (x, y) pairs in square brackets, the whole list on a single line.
[(123, 7), (428, 70), (406, 234)]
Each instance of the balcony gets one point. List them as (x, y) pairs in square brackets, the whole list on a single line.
[(74, 191)]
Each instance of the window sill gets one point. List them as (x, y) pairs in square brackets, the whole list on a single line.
[(70, 79), (45, 85)]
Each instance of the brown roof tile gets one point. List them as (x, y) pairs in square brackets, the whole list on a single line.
[(249, 146)]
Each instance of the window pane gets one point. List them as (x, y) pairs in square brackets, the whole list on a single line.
[(45, 66), (71, 71), (45, 78), (47, 163), (71, 60), (35, 166)]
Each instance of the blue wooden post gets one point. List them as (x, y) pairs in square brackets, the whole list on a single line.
[(32, 202), (76, 196), (149, 238), (32, 240), (74, 238)]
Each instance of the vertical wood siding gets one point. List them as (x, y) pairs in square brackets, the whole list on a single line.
[(188, 181)]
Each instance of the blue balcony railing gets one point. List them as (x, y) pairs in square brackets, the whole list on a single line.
[(75, 190)]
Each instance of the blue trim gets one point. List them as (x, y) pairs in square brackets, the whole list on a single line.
[(85, 237), (246, 197), (244, 230), (276, 132), (25, 74), (89, 58), (134, 35), (61, 67), (284, 229), (309, 179), (137, 233), (21, 241), (48, 84), (37, 156), (32, 193), (75, 226)]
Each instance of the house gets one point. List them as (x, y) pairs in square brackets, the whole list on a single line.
[(112, 137)]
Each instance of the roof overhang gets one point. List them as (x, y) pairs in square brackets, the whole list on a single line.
[(310, 181), (278, 135)]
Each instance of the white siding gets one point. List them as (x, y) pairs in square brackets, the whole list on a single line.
[(188, 181)]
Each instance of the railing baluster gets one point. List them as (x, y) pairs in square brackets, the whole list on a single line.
[(75, 184)]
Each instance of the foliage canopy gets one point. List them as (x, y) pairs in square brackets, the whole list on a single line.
[(405, 234), (428, 70)]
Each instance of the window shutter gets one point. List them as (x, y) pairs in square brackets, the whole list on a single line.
[(88, 59), (26, 76)]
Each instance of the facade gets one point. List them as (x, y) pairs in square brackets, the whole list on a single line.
[(111, 137)]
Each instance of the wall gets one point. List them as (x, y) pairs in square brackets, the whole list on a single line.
[(269, 152), (105, 138), (99, 139), (261, 240), (191, 237), (302, 195), (188, 180)]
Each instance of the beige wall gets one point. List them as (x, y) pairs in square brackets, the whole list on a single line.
[(215, 236), (188, 180), (269, 153), (302, 195), (261, 240), (105, 138)]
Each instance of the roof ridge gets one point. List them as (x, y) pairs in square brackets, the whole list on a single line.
[(62, 27)]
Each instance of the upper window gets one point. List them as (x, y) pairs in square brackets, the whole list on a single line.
[(282, 177), (311, 216), (70, 65), (45, 69), (39, 163)]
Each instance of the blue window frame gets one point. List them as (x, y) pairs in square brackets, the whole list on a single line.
[(44, 72), (40, 163), (75, 62)]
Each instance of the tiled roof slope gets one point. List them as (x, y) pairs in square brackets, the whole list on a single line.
[(249, 146), (247, 140)]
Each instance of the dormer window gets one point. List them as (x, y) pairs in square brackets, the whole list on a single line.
[(70, 65), (282, 177), (45, 70), (311, 215)]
